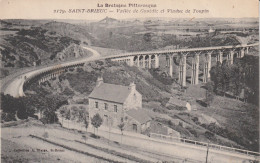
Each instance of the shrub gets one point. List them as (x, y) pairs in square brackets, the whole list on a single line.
[(6, 117), (79, 69), (164, 101), (192, 131), (179, 108), (45, 135), (21, 114), (209, 135), (184, 113), (95, 136), (160, 77), (196, 120)]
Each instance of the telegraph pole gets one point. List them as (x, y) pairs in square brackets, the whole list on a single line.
[(207, 153)]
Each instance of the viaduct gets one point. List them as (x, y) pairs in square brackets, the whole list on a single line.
[(150, 59)]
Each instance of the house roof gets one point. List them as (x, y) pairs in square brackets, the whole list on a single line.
[(178, 102), (111, 92), (139, 115)]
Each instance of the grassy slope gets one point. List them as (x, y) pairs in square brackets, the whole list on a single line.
[(76, 32), (239, 118), (150, 88), (30, 45), (24, 42)]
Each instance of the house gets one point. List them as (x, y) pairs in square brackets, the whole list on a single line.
[(179, 104), (211, 30), (113, 101), (137, 120)]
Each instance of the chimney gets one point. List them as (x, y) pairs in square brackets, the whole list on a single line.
[(99, 81), (132, 86)]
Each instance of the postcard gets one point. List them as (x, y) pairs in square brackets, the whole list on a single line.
[(129, 81)]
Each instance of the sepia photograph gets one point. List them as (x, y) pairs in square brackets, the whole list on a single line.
[(126, 81)]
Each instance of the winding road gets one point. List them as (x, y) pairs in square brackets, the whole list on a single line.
[(14, 87)]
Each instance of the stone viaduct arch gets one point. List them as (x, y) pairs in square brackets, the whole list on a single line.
[(48, 74)]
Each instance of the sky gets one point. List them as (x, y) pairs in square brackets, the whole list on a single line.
[(45, 9)]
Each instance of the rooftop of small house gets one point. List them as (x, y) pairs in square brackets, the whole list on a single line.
[(139, 115), (178, 102)]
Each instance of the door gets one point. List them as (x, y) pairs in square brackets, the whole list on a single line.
[(134, 127)]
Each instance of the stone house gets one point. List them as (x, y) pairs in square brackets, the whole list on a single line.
[(112, 102), (180, 104), (137, 121)]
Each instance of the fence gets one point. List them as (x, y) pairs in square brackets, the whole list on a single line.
[(197, 143)]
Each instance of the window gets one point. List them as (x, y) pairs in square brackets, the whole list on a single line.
[(96, 104), (115, 108), (106, 106)]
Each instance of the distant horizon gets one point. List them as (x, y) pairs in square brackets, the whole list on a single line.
[(126, 18)]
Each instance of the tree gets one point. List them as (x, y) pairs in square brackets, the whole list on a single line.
[(237, 78), (226, 77), (9, 107), (81, 115), (16, 107), (86, 124), (209, 92), (240, 77), (21, 113), (86, 127), (216, 76), (110, 123), (68, 116), (121, 126), (50, 116), (62, 113), (74, 114), (96, 121)]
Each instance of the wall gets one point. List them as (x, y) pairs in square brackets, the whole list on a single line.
[(113, 118), (129, 124), (158, 128), (133, 101)]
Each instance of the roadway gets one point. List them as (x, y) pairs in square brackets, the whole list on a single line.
[(187, 50), (15, 86)]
